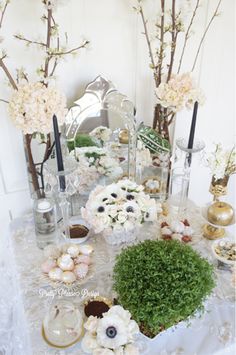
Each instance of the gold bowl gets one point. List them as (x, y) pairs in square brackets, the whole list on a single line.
[(220, 213)]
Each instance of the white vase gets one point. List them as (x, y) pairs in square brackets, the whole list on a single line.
[(121, 237)]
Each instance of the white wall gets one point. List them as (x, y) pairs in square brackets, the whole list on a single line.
[(118, 51)]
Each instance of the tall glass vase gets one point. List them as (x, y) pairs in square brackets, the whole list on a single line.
[(180, 177)]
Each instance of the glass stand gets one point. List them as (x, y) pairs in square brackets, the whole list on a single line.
[(180, 178)]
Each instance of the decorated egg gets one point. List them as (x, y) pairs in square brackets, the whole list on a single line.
[(83, 259), (47, 265), (81, 270), (177, 226), (68, 277), (55, 274), (65, 262), (73, 251)]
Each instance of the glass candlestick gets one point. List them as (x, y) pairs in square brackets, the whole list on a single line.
[(184, 174)]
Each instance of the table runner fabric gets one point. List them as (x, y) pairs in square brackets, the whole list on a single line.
[(24, 301)]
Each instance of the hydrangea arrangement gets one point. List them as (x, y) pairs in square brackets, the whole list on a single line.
[(33, 105), (179, 92), (118, 209), (113, 334)]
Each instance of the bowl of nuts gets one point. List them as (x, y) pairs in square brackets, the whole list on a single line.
[(224, 250)]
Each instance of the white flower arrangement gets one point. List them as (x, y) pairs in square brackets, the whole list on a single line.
[(222, 162), (113, 334), (179, 92), (95, 162), (102, 134), (119, 209), (33, 105)]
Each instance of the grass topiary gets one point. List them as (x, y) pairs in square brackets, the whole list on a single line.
[(81, 140), (161, 283)]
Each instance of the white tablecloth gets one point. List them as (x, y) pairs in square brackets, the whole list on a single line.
[(25, 298)]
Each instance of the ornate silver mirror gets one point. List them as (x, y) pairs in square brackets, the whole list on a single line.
[(103, 106)]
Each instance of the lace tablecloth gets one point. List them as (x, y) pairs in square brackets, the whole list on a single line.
[(25, 298)]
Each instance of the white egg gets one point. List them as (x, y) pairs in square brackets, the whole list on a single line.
[(73, 251), (47, 265), (81, 271), (188, 231), (65, 262), (55, 274), (68, 277), (86, 249), (51, 251), (177, 236), (177, 226), (166, 231)]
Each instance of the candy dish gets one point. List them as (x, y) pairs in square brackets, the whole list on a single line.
[(224, 250), (62, 325)]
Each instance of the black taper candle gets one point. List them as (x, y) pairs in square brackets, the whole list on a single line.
[(60, 165), (192, 131)]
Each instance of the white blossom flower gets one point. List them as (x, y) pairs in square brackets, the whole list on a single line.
[(131, 349), (179, 92), (111, 332), (33, 105), (101, 133)]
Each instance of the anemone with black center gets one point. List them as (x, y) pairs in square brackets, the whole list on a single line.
[(129, 197), (101, 209), (130, 209), (114, 195), (111, 332)]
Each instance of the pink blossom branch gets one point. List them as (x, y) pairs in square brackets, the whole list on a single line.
[(204, 34)]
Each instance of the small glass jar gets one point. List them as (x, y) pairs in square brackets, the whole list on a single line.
[(45, 221)]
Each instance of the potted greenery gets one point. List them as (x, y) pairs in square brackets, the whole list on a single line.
[(161, 283)]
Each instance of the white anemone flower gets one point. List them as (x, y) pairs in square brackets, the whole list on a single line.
[(112, 332)]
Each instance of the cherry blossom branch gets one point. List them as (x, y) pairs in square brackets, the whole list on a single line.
[(149, 45), (204, 34), (187, 34), (174, 34), (48, 42), (70, 51), (3, 12), (8, 74), (161, 53), (29, 41), (5, 101)]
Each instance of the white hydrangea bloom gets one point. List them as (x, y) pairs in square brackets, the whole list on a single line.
[(180, 92), (33, 105)]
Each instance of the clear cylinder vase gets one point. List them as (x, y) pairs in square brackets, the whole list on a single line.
[(180, 177)]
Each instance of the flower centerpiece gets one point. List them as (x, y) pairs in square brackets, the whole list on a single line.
[(161, 283), (118, 210), (93, 163), (222, 164), (114, 333)]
